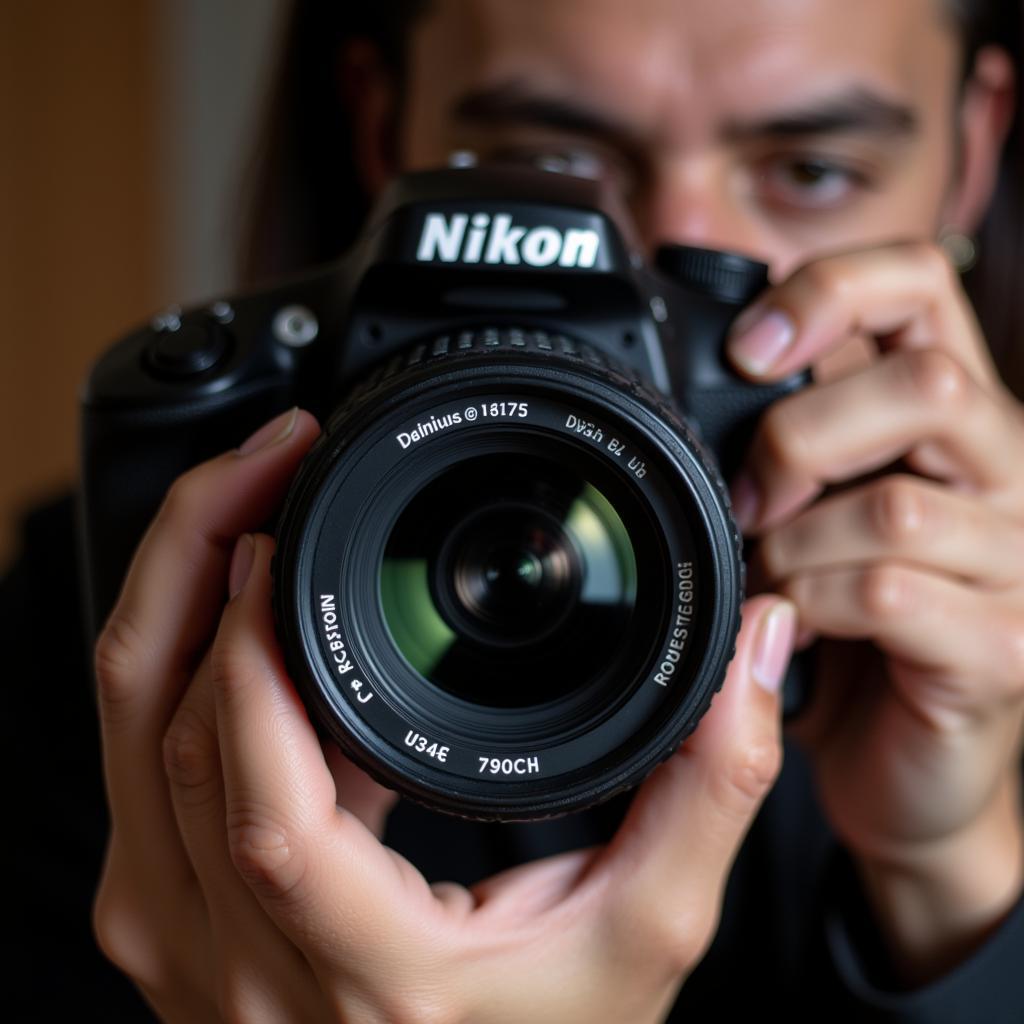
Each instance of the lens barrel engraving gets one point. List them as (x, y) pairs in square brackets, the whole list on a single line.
[(526, 607)]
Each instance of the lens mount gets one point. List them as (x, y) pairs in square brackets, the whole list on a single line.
[(507, 583)]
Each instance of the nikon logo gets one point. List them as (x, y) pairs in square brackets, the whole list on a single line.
[(480, 239)]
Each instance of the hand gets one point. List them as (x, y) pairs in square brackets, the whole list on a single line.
[(245, 878), (915, 580)]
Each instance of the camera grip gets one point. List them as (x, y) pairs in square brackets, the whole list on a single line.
[(131, 455), (726, 418)]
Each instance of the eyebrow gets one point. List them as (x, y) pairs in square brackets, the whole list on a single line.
[(856, 110), (512, 102)]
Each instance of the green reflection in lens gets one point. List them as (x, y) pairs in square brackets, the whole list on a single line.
[(609, 581), (610, 576), (417, 628)]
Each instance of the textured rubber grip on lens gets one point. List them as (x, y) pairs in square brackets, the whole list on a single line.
[(449, 351)]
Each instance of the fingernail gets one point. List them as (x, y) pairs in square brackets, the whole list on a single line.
[(746, 500), (774, 645), (759, 338), (271, 433), (241, 563)]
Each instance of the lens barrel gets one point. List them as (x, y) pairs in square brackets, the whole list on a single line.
[(507, 581)]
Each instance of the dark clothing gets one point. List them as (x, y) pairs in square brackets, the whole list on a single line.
[(796, 937)]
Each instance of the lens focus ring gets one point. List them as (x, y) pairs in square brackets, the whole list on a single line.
[(482, 581), (449, 349)]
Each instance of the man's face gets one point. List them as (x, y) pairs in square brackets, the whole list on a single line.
[(781, 128)]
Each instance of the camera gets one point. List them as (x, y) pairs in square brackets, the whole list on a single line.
[(507, 580)]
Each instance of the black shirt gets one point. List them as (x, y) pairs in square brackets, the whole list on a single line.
[(796, 935)]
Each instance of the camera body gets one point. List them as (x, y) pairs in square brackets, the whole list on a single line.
[(477, 302)]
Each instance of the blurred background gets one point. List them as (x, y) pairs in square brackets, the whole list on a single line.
[(126, 129)]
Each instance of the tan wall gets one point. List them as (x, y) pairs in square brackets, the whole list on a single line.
[(81, 243)]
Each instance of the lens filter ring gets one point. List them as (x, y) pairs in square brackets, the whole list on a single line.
[(613, 601)]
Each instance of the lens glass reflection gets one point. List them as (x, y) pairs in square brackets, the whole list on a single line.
[(511, 579)]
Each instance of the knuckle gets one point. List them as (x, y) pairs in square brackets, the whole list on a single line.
[(185, 498), (188, 750), (265, 852), (678, 937), (897, 509), (117, 658), (756, 768), (230, 670), (123, 936), (106, 927), (825, 278), (938, 378), (786, 439), (885, 590), (751, 771)]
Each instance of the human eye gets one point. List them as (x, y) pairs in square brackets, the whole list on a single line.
[(809, 182)]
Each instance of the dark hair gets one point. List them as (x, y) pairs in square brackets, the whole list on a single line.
[(306, 201)]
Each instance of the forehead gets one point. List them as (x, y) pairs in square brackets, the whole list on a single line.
[(671, 66)]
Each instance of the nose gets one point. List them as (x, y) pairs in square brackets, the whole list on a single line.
[(690, 202)]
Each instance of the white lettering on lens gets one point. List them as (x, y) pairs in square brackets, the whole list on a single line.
[(681, 626), (520, 409), (639, 467), (499, 240), (422, 745), (432, 426), (336, 645), (584, 427), (509, 765)]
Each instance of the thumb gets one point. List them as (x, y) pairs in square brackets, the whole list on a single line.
[(366, 798), (687, 821)]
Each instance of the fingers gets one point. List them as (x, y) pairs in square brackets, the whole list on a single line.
[(672, 854), (970, 654), (906, 295), (316, 869), (166, 615), (362, 796), (897, 517), (261, 976), (864, 421)]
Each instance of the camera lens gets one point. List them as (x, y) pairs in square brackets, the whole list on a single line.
[(507, 583), (501, 606)]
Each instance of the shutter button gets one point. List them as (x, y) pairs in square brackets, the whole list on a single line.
[(187, 347)]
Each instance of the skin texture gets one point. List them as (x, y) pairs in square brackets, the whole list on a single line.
[(921, 782), (245, 879), (703, 68)]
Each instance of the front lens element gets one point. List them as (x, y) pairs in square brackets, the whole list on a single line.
[(507, 584), (509, 580)]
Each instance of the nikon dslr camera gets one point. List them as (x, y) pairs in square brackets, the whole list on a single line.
[(507, 580)]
